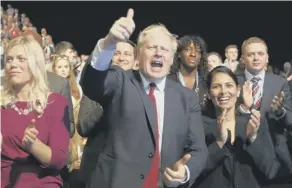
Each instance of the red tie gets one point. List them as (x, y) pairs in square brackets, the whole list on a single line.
[(152, 178)]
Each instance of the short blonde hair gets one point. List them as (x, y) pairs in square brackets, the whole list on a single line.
[(154, 28), (39, 90), (230, 46), (252, 40)]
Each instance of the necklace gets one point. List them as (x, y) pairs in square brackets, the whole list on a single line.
[(25, 111)]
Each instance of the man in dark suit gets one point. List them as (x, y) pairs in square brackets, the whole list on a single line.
[(272, 96), (153, 126), (91, 112)]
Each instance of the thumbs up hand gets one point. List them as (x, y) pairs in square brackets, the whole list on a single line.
[(177, 174), (121, 30), (30, 135)]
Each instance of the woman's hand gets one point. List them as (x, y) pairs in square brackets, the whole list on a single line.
[(30, 135)]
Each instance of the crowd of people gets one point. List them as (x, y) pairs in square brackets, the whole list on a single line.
[(164, 112)]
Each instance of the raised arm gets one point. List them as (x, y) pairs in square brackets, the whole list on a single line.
[(97, 80)]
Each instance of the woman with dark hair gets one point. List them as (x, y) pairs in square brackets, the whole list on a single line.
[(187, 66), (238, 153)]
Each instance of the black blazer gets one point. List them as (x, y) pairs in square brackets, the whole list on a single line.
[(239, 165), (129, 121)]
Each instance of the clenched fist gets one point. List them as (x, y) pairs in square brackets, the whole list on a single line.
[(121, 30)]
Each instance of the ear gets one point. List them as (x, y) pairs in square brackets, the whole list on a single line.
[(267, 58)]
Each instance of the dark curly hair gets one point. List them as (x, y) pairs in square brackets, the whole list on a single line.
[(183, 43)]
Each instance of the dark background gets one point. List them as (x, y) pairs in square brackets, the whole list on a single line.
[(219, 23)]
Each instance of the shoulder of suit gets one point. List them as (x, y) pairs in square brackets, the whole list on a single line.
[(53, 77), (179, 87), (275, 77)]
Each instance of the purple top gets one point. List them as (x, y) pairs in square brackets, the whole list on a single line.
[(19, 168)]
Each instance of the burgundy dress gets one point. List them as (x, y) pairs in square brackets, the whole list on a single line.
[(20, 169)]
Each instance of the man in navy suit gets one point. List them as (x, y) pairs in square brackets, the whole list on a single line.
[(153, 126)]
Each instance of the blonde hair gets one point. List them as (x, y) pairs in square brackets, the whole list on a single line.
[(230, 46), (75, 92), (157, 28), (252, 40), (39, 91)]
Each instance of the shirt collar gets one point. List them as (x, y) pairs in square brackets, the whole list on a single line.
[(159, 83), (249, 76)]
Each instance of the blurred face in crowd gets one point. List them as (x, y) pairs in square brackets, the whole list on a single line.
[(44, 31), (70, 54), (47, 56), (155, 54), (191, 56), (212, 62), (62, 68), (255, 57), (223, 91), (287, 67), (48, 40), (16, 66), (124, 56), (232, 54)]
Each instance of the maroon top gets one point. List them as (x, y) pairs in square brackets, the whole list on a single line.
[(20, 169)]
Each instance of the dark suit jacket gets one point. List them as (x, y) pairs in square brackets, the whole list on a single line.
[(273, 85), (129, 118), (89, 125), (241, 164), (60, 85)]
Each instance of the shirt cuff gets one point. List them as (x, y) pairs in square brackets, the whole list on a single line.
[(280, 113), (243, 111), (187, 176), (177, 182), (101, 58)]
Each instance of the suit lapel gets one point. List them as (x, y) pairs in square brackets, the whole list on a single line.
[(267, 95), (148, 106)]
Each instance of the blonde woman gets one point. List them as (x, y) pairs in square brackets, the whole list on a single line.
[(35, 139), (63, 68)]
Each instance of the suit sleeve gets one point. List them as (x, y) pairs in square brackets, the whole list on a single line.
[(98, 81), (89, 115), (263, 152), (66, 93), (195, 143)]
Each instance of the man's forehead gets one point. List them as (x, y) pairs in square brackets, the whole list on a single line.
[(124, 46)]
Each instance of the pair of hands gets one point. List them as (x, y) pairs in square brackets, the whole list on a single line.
[(252, 127), (277, 102), (30, 136)]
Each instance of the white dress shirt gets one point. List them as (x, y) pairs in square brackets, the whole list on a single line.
[(101, 61)]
